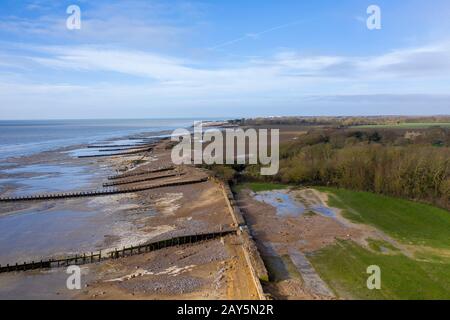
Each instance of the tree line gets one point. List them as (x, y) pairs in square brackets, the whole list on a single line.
[(409, 164)]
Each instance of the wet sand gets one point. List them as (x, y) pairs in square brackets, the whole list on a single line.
[(213, 269)]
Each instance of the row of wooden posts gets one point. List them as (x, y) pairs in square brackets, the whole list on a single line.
[(140, 172), (117, 154), (129, 181), (101, 192), (116, 253)]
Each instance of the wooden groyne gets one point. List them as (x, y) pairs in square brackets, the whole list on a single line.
[(140, 172), (100, 192), (116, 145), (91, 257), (129, 181), (125, 149), (117, 154)]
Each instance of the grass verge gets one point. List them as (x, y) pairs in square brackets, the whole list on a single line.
[(343, 266), (408, 221)]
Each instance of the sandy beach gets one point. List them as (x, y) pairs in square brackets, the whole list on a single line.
[(214, 269)]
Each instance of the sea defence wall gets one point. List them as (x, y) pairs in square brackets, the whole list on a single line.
[(256, 265), (91, 257)]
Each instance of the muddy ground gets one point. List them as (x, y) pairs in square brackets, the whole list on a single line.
[(292, 224), (285, 240)]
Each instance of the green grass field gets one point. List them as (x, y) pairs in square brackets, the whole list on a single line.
[(381, 246), (409, 125), (407, 221), (343, 265)]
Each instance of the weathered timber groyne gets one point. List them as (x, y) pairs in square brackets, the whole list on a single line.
[(116, 154), (129, 181), (100, 146), (101, 192), (140, 172), (136, 148), (91, 257)]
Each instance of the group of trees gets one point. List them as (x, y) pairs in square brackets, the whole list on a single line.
[(392, 162), (341, 121)]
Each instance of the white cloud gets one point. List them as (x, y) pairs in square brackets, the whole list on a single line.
[(427, 61), (130, 23), (287, 78)]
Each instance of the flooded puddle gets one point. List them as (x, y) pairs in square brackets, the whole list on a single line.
[(323, 210), (287, 205), (282, 202)]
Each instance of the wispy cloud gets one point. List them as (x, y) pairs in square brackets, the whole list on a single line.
[(254, 35), (132, 53), (426, 61), (139, 24)]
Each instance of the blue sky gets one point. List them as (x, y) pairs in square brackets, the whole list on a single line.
[(155, 59)]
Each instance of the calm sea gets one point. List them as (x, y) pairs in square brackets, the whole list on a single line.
[(18, 138)]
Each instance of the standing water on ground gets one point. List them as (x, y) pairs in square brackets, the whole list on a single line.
[(42, 157), (45, 178), (287, 205), (284, 204)]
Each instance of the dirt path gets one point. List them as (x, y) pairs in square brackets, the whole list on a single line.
[(311, 279)]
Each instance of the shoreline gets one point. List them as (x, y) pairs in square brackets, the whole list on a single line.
[(153, 215)]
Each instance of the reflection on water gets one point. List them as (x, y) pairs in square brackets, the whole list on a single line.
[(34, 235), (26, 137), (326, 211), (285, 205), (82, 152), (39, 178)]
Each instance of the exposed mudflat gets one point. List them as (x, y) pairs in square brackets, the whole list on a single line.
[(214, 269)]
